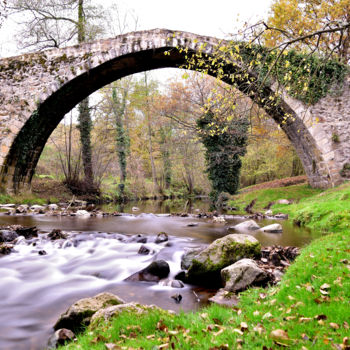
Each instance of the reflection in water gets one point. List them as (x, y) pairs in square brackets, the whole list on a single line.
[(36, 289)]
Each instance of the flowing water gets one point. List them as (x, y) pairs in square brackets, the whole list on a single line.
[(98, 255)]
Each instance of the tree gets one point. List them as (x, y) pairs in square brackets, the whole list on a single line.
[(296, 19), (57, 23), (223, 151)]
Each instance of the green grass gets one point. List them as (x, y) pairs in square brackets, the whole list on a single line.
[(265, 196), (25, 199), (328, 211), (311, 303)]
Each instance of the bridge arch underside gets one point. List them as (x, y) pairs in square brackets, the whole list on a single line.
[(25, 151)]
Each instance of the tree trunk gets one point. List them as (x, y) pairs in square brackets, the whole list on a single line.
[(85, 139), (84, 112), (149, 129)]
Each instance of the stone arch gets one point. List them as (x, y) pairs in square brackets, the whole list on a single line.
[(42, 87)]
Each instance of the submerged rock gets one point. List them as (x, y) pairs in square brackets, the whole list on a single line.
[(154, 272), (205, 267), (249, 225), (79, 314), (273, 228), (27, 232), (6, 249), (82, 213), (161, 237), (144, 250), (242, 274)]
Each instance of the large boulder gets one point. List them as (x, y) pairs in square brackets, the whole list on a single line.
[(242, 274), (249, 225), (206, 266), (189, 255), (79, 314), (154, 272)]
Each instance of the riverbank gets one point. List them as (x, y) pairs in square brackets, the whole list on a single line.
[(310, 308)]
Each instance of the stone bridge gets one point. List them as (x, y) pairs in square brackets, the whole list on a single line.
[(38, 89)]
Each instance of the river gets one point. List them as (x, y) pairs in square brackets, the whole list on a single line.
[(98, 255)]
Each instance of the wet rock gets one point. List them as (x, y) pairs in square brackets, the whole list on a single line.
[(161, 237), (181, 276), (205, 267), (7, 206), (60, 337), (188, 256), (27, 232), (281, 216), (5, 249), (273, 228), (56, 234), (79, 314), (107, 313), (154, 272), (219, 219), (171, 283), (143, 250), (22, 209), (249, 225), (135, 209), (243, 274), (177, 297), (82, 213), (53, 207), (139, 238), (7, 236), (192, 224), (37, 208), (42, 252), (225, 298)]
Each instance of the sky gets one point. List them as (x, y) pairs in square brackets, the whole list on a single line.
[(206, 17)]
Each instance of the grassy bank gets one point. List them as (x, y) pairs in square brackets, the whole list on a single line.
[(308, 310)]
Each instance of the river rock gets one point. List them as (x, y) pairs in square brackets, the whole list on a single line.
[(7, 236), (56, 234), (281, 216), (79, 314), (225, 298), (242, 274), (53, 207), (27, 232), (219, 219), (171, 283), (22, 209), (152, 273), (161, 237), (249, 225), (37, 207), (188, 256), (135, 209), (143, 250), (273, 228), (60, 337), (205, 267), (5, 249), (82, 213), (7, 206), (268, 212)]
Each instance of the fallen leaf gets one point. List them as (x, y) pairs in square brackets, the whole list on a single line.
[(267, 315), (164, 346), (111, 346), (334, 325), (280, 337), (256, 313), (325, 286), (346, 325), (305, 319), (320, 317), (244, 326)]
